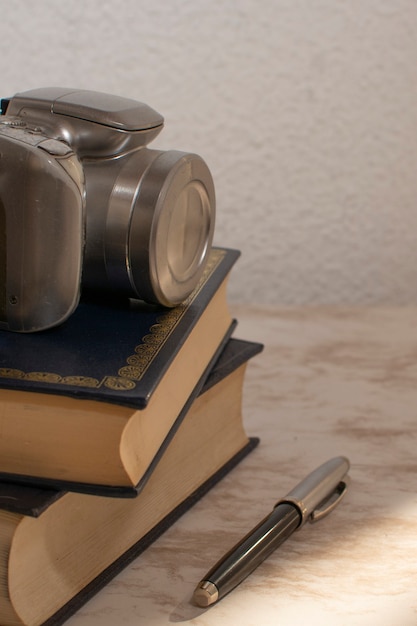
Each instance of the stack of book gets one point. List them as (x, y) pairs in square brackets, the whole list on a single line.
[(111, 426)]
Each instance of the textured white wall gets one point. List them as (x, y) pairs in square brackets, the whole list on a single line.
[(305, 110)]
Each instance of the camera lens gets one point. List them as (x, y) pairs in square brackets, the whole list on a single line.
[(159, 230)]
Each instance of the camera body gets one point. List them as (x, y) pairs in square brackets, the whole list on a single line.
[(85, 204)]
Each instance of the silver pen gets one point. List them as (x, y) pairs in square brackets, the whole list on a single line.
[(311, 500)]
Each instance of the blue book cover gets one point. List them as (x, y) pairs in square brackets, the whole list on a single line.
[(114, 351)]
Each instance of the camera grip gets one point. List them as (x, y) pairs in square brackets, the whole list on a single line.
[(42, 231)]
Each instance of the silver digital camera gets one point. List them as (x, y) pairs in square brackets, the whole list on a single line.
[(85, 204)]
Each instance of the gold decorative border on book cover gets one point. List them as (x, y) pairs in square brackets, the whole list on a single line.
[(144, 353)]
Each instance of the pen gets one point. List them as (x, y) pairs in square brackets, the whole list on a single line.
[(311, 500)]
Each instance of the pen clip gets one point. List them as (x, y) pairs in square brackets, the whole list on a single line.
[(328, 504)]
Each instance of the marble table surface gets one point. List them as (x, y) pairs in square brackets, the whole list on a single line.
[(329, 382)]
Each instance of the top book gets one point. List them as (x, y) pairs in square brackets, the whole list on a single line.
[(90, 402)]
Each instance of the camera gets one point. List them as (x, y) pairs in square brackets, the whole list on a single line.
[(86, 205)]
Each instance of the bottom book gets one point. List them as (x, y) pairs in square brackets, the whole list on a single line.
[(58, 549)]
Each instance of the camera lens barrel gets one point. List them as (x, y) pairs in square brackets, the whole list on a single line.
[(153, 239)]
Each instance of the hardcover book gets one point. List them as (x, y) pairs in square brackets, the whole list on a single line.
[(79, 542), (108, 385)]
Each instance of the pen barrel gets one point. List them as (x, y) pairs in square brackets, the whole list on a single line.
[(254, 548)]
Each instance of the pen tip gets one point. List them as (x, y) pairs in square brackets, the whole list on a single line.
[(206, 593)]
